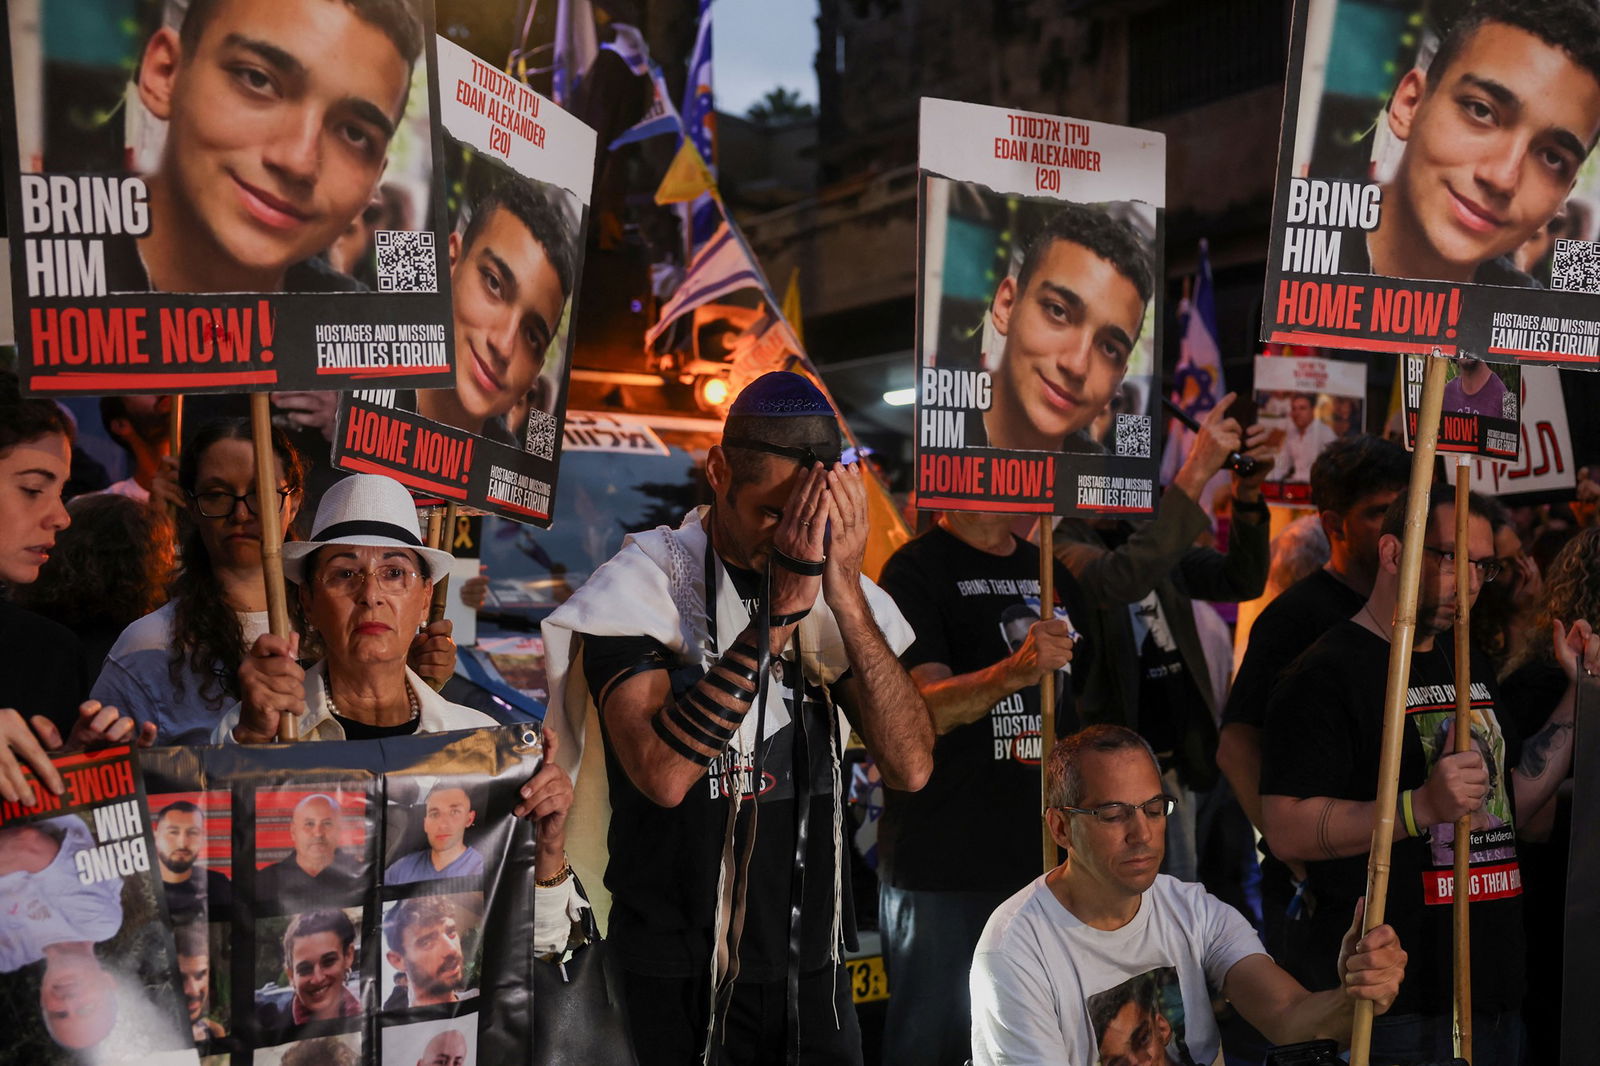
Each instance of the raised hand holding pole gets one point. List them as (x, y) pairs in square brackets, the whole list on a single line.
[(1401, 639), (271, 534)]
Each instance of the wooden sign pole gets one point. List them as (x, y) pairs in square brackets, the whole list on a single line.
[(441, 534), (271, 534), (175, 429), (1047, 684), (1401, 638), (1461, 893)]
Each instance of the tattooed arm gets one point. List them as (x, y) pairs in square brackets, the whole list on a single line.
[(1547, 755)]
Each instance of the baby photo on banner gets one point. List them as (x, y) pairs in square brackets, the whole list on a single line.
[(225, 196), (519, 171), (1434, 187), (87, 974), (1039, 313)]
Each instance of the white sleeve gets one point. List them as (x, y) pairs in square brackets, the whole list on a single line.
[(554, 911), (1228, 937), (1014, 1016)]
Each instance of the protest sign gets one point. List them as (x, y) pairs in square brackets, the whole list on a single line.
[(1039, 289), (257, 207), (1306, 403), (1482, 407), (378, 894), (1545, 466), (86, 958), (520, 170), (1431, 190)]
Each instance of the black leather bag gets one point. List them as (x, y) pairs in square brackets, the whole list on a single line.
[(579, 1014)]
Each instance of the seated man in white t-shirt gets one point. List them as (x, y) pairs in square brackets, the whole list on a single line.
[(1102, 960)]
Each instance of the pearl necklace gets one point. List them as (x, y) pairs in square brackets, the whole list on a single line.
[(333, 708)]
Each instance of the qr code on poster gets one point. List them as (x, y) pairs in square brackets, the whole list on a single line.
[(541, 440), (1576, 267), (1133, 436), (406, 261)]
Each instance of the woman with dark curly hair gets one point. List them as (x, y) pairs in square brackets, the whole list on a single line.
[(178, 667), (109, 569)]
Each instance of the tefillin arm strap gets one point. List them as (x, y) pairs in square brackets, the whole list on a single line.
[(697, 725)]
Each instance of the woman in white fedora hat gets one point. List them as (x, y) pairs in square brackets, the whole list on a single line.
[(365, 581)]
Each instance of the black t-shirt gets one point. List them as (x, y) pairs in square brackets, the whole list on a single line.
[(664, 861), (970, 609), (41, 667), (354, 730), (1167, 696), (1288, 626), (205, 895), (1323, 737)]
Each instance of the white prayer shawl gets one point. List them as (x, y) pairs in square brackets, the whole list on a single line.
[(655, 587)]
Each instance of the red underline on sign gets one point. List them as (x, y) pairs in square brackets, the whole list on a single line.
[(508, 505), (87, 381), (379, 372), (405, 477), (949, 503), (1115, 510), (1559, 357), (1341, 340)]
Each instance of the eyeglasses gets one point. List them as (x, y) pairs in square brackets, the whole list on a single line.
[(393, 579), (1488, 569), (1118, 813), (219, 504)]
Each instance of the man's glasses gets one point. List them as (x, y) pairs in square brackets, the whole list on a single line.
[(392, 579), (1488, 569), (219, 504), (1117, 813)]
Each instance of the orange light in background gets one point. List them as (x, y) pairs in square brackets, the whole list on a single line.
[(711, 392)]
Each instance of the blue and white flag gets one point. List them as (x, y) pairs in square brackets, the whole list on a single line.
[(1197, 382), (723, 265), (699, 125), (661, 117), (576, 45)]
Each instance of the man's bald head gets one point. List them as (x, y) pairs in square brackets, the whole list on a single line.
[(448, 1048), (316, 827)]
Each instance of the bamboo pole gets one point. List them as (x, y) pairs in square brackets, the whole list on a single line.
[(1047, 683), (1461, 894), (271, 534), (1401, 638), (175, 430), (441, 534)]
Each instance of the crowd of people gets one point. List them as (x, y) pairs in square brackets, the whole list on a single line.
[(722, 666)]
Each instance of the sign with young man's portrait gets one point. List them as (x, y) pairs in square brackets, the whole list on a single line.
[(520, 171), (1433, 181), (1039, 313), (225, 196)]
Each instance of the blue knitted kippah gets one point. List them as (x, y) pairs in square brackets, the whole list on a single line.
[(781, 394)]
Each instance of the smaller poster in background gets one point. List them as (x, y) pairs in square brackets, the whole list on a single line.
[(1306, 403), (86, 954), (520, 170), (1545, 464), (1482, 409)]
